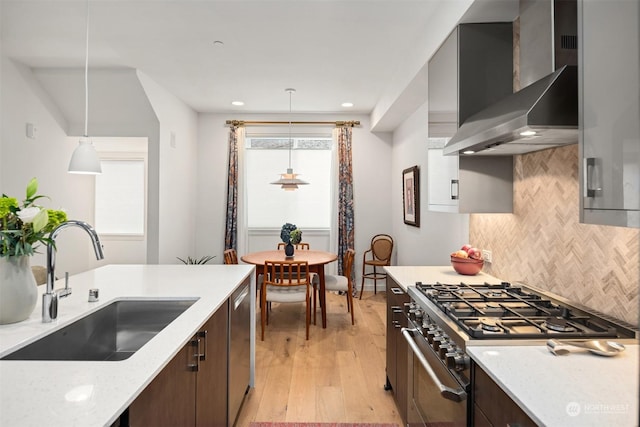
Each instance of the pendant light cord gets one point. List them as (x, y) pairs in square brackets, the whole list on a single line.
[(86, 77), (290, 140)]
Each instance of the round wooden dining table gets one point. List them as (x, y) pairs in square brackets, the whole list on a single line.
[(315, 259)]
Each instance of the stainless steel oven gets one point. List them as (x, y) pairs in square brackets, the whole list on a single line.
[(444, 319), (438, 396)]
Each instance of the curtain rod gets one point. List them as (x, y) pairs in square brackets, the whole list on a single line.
[(338, 123)]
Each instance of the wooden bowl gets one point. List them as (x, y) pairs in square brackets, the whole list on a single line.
[(467, 266)]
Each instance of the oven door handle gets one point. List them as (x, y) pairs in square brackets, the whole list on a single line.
[(457, 395)]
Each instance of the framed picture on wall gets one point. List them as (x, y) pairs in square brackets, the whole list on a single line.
[(411, 196)]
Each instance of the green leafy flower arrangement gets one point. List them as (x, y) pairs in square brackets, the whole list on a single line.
[(23, 227), (290, 234)]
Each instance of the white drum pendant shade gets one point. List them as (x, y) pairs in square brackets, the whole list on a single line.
[(85, 159)]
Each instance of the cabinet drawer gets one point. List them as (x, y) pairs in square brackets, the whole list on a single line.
[(494, 404)]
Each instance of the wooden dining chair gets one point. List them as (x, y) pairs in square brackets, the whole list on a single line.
[(301, 246), (379, 256), (40, 274), (285, 282), (338, 283), (230, 256)]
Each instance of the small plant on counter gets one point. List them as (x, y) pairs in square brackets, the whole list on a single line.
[(24, 226), (202, 260)]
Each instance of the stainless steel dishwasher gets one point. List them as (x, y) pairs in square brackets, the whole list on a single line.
[(239, 348)]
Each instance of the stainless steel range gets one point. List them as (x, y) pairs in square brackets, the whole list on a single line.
[(444, 319)]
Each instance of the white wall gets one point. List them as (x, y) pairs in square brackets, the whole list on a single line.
[(404, 93), (439, 233), (177, 180), (47, 158), (172, 192), (192, 182)]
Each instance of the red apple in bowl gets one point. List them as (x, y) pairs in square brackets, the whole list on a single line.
[(466, 247), (474, 253)]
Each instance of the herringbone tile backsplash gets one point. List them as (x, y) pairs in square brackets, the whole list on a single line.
[(543, 243)]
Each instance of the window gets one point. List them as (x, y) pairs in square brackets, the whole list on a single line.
[(268, 205), (121, 189), (120, 195)]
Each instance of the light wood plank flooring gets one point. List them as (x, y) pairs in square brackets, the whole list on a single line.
[(336, 376)]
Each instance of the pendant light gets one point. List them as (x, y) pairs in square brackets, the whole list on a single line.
[(84, 159), (288, 181)]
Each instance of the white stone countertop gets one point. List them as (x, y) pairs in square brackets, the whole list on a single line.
[(408, 275), (580, 389), (72, 393)]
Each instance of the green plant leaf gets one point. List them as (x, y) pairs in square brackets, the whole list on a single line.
[(191, 261), (40, 220), (32, 187), (296, 236)]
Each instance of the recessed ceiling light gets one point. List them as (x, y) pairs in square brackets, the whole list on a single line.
[(237, 103), (347, 104), (528, 133), (468, 152)]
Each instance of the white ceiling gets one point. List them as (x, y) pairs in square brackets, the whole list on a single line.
[(329, 51)]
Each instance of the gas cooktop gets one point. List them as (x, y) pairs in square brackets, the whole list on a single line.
[(504, 311)]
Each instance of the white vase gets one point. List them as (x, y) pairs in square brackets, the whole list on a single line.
[(18, 289)]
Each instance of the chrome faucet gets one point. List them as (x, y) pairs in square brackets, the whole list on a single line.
[(50, 297)]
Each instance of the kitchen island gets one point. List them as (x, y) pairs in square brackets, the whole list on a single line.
[(88, 393), (581, 389)]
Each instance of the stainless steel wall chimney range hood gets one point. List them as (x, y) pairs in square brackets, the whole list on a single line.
[(545, 113), (540, 116)]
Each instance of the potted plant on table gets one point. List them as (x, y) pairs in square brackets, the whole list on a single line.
[(22, 228), (291, 236)]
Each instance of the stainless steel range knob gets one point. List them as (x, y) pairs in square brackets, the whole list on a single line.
[(457, 361), (438, 341), (444, 350), (431, 335), (450, 358)]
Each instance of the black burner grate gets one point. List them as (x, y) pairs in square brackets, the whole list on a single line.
[(506, 311)]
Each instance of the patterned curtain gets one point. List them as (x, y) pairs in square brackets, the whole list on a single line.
[(345, 196), (231, 227)]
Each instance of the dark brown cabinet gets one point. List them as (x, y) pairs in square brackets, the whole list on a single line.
[(192, 389), (171, 396), (492, 406), (211, 383), (397, 347)]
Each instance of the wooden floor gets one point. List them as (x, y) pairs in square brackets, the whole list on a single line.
[(336, 376)]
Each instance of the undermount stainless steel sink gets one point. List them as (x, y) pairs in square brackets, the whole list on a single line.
[(112, 333)]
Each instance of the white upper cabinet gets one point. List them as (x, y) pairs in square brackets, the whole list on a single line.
[(471, 70), (442, 183), (609, 112)]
